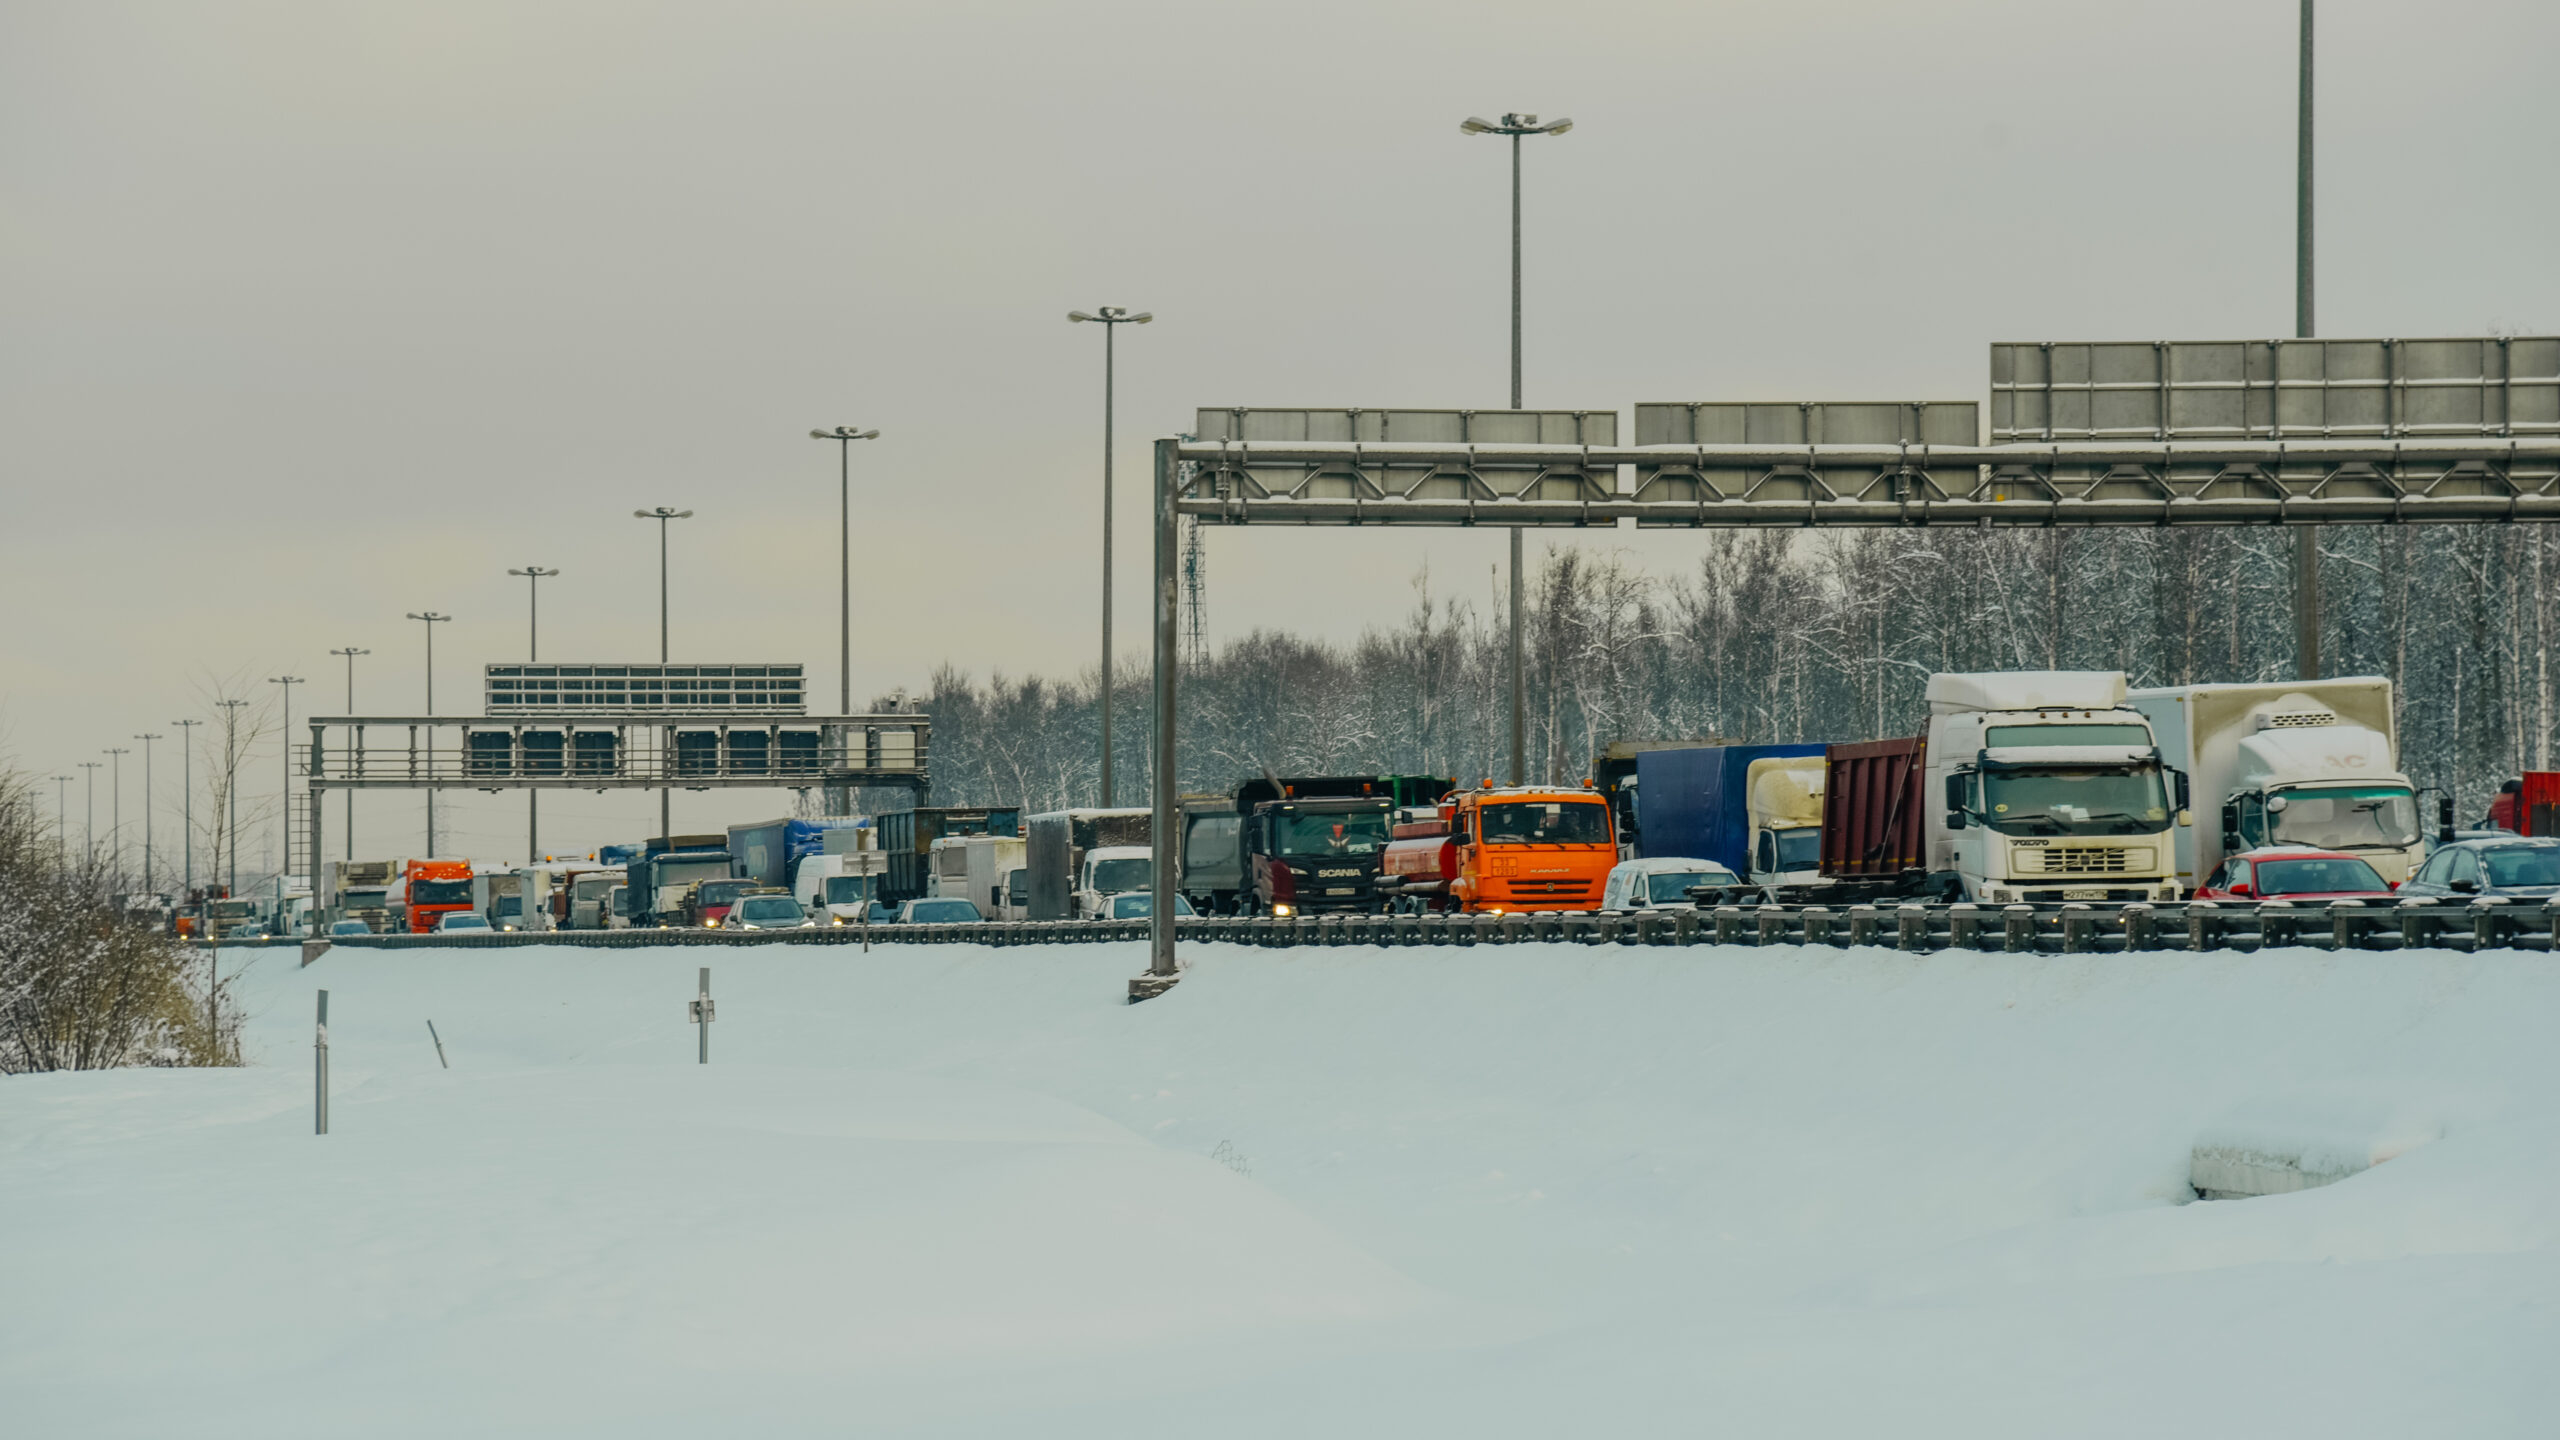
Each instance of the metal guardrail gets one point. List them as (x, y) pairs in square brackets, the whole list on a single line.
[(2476, 925)]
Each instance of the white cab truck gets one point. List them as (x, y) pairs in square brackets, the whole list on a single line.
[(972, 868), (1785, 807), (2050, 788), (839, 885), (1112, 870), (2289, 762)]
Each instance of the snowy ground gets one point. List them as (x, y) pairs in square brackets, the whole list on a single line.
[(1528, 1191)]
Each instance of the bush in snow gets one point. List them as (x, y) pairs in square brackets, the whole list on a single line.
[(82, 985)]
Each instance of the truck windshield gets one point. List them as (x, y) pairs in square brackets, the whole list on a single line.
[(1360, 832), (2130, 737), (849, 889), (1796, 849), (592, 889), (721, 892), (2346, 817), (439, 892), (1546, 822), (1132, 873), (2074, 802)]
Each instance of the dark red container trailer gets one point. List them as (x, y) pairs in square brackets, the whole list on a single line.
[(1873, 835)]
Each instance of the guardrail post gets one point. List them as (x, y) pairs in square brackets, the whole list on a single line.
[(1728, 924), (1817, 924), (2551, 913), (2079, 929), (2346, 924), (2417, 927), (2018, 928), (1964, 926), (2204, 926), (2141, 928), (1769, 926), (1911, 927), (1684, 925), (1862, 924), (2278, 924), (2488, 925)]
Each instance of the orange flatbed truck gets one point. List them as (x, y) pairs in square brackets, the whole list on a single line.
[(437, 888), (1511, 850)]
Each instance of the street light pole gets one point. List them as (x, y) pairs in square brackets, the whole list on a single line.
[(432, 620), (284, 798), (89, 827), (844, 436), (351, 653), (533, 578), (115, 803), (666, 793), (231, 792), (147, 794), (187, 799), (1516, 126), (2306, 540), (1110, 318), (62, 822)]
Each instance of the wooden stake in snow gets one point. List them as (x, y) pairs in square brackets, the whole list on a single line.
[(432, 1035), (320, 1070), (699, 1012)]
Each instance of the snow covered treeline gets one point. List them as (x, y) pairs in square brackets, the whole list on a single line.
[(81, 986), (1824, 635)]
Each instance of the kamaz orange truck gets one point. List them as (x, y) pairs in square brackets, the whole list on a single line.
[(436, 888), (1489, 851)]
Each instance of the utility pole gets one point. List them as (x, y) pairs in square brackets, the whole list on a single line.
[(533, 578), (2306, 540), (351, 653), (284, 799), (115, 803), (432, 620), (147, 794), (844, 436), (231, 792), (666, 759), (1110, 318), (187, 798), (1516, 126)]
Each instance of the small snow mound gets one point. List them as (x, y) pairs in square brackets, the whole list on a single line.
[(2280, 1144)]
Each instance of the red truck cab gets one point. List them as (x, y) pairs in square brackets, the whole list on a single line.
[(437, 888)]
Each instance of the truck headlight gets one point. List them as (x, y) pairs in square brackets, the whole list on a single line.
[(1283, 911), (713, 923)]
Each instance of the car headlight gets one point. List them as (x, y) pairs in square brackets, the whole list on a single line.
[(838, 920)]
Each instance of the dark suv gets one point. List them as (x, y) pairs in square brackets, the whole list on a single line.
[(2509, 868)]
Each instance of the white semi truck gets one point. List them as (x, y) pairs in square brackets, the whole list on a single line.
[(2291, 762), (2049, 788)]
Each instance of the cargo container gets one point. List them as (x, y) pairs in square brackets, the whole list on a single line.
[(766, 850), (973, 867), (1874, 831), (1059, 845), (1211, 866), (2531, 807), (907, 836)]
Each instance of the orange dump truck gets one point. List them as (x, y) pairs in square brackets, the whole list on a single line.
[(1489, 851)]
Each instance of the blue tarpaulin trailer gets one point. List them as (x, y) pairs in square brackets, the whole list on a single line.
[(1695, 803), (766, 850)]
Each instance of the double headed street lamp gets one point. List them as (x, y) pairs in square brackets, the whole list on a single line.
[(229, 827), (115, 802), (187, 798), (1516, 126), (432, 620), (89, 827), (667, 794), (350, 653), (147, 794), (533, 576), (844, 436), (1110, 318)]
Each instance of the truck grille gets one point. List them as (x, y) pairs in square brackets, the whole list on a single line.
[(2301, 719), (2077, 860), (1560, 889)]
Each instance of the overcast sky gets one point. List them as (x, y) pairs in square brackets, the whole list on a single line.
[(319, 313)]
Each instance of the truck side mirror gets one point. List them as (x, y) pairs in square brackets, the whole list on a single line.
[(2182, 788), (1955, 792), (2444, 819), (1955, 819), (2230, 821)]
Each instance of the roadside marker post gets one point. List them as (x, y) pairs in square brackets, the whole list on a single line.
[(699, 1012), (320, 1069), (432, 1035)]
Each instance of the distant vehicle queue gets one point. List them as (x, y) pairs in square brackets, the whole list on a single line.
[(2022, 786)]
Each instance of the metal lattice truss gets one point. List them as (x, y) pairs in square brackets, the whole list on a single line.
[(1704, 486)]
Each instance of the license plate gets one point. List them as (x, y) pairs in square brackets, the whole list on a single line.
[(2084, 894), (1342, 890)]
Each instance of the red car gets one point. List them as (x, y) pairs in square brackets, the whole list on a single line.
[(2290, 872)]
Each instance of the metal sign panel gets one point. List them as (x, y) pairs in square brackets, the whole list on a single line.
[(616, 752), (1366, 466), (2464, 387), (645, 687), (1918, 424)]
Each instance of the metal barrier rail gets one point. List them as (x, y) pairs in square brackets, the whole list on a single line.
[(2038, 929)]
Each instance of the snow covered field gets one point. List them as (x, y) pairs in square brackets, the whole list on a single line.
[(1526, 1191)]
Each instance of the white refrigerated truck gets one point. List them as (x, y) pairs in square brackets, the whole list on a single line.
[(2289, 762)]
